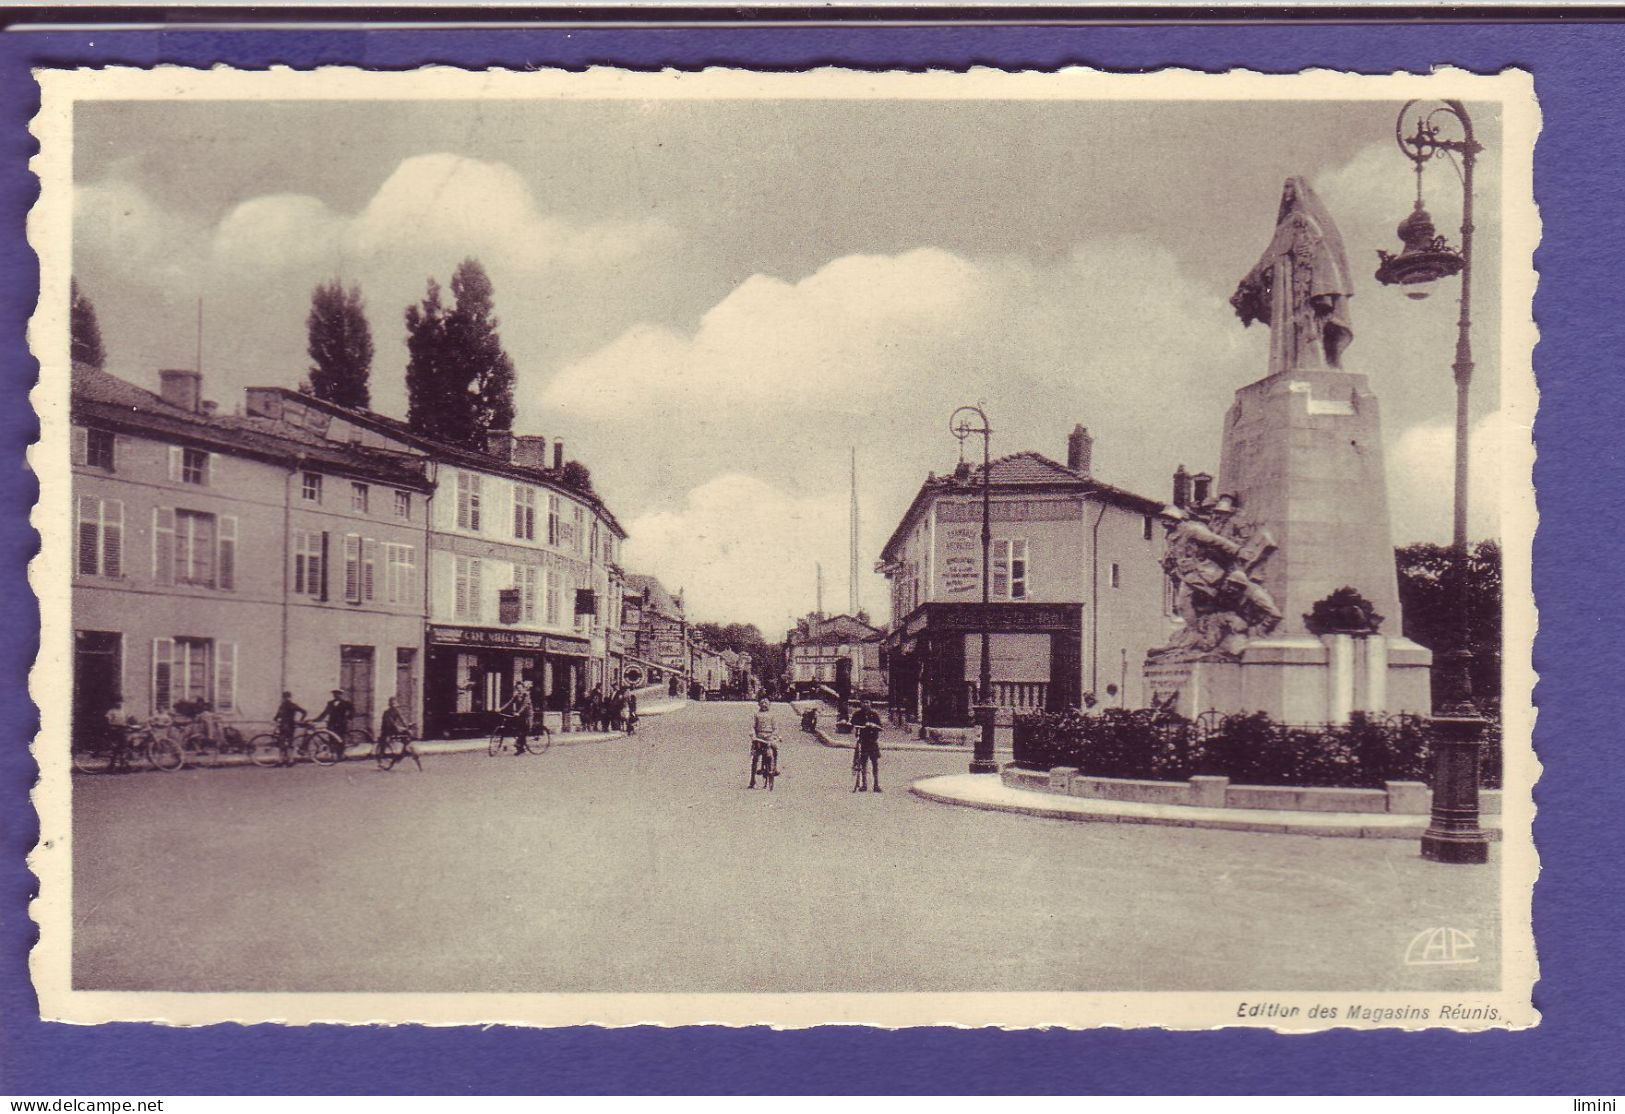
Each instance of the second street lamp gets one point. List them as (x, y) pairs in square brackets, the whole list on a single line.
[(960, 425), (1453, 836)]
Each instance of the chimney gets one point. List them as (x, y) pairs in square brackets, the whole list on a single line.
[(499, 443), (530, 452), (182, 388), (208, 408), (1080, 449), (1201, 489), (1182, 487), (558, 455)]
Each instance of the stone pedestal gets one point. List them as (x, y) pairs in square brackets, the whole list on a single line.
[(1303, 679), (1303, 454)]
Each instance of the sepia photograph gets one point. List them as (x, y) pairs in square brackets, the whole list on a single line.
[(1019, 549)]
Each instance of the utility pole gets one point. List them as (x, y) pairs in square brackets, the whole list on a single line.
[(854, 603)]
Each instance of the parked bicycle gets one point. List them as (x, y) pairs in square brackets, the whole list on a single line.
[(318, 744)]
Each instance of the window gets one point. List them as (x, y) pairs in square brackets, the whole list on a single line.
[(525, 579), (1009, 569), (578, 533), (358, 498), (192, 669), (466, 602), (609, 547), (468, 501), (188, 466), (101, 536), (552, 520), (1117, 575), (403, 505), (524, 512), (1146, 523), (400, 572), (99, 448), (194, 549), (307, 564), (310, 487)]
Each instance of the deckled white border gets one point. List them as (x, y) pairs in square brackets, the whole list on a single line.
[(50, 233)]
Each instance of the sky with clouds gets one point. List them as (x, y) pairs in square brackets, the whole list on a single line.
[(714, 302)]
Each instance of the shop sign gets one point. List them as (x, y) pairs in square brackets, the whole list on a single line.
[(478, 636)]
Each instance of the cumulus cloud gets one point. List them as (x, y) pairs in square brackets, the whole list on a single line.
[(1421, 471), (745, 550), (133, 237)]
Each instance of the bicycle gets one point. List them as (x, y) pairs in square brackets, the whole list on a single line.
[(319, 744), (156, 740), (199, 748), (103, 753), (505, 735), (391, 749), (764, 762)]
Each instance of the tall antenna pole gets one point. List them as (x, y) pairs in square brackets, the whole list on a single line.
[(198, 365), (853, 602), (819, 565)]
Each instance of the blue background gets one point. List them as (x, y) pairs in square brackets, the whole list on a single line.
[(1579, 555)]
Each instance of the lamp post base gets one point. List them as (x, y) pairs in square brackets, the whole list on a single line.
[(982, 757), (1453, 835)]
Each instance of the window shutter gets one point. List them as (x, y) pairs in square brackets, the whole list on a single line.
[(296, 541), (228, 552), (208, 469), (89, 535), (163, 652), (474, 595), (352, 567), (460, 590), (113, 538), (163, 545), (225, 677), (369, 564), (326, 563), (81, 445), (175, 462)]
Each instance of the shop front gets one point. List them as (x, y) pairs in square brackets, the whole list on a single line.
[(934, 659), (472, 672)]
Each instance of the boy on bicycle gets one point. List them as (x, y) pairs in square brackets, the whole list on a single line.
[(392, 727), (764, 743)]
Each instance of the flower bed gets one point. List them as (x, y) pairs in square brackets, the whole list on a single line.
[(1248, 749)]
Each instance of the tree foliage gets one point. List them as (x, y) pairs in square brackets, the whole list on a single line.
[(459, 379), (576, 476), (340, 345), (85, 344), (1428, 597)]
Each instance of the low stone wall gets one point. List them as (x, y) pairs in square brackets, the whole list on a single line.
[(1409, 798)]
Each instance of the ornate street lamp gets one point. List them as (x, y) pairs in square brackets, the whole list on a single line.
[(1453, 836), (960, 426)]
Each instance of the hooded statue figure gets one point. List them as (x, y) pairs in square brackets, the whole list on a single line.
[(1300, 287)]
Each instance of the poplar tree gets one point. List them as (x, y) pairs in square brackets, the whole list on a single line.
[(85, 335), (340, 345), (459, 379)]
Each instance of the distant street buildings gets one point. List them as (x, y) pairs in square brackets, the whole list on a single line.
[(1077, 596), (841, 653)]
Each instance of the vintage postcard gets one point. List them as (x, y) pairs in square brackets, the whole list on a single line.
[(973, 549)]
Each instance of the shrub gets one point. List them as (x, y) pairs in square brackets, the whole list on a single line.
[(1249, 749)]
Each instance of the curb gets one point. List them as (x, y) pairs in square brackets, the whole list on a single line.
[(426, 747), (1345, 825), (922, 748)]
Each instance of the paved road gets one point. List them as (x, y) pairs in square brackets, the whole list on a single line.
[(645, 865)]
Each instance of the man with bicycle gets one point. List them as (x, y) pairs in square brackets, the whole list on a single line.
[(764, 743), (518, 710), (336, 714), (288, 716), (866, 752)]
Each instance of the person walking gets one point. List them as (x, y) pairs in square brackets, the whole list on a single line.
[(866, 726), (617, 710), (631, 712)]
